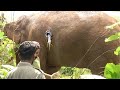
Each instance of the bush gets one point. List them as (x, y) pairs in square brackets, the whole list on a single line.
[(112, 71), (7, 53), (73, 73)]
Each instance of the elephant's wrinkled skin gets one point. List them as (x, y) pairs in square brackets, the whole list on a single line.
[(73, 33)]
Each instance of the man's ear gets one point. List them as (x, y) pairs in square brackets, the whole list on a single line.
[(19, 56), (36, 53)]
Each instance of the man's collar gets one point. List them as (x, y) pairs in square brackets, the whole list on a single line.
[(24, 64)]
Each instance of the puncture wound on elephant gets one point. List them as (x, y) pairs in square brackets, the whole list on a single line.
[(48, 34)]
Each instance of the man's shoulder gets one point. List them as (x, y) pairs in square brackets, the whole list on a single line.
[(13, 70), (10, 73)]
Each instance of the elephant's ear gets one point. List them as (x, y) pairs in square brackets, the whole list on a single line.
[(10, 26), (9, 29)]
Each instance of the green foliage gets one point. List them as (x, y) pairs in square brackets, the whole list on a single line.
[(4, 69), (112, 71), (73, 73), (36, 63), (2, 21), (3, 73), (113, 37), (7, 53), (117, 51), (116, 36)]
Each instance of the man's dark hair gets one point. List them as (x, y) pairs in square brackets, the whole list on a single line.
[(27, 49)]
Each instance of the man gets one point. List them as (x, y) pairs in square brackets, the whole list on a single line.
[(28, 52)]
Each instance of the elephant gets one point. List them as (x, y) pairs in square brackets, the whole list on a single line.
[(68, 38)]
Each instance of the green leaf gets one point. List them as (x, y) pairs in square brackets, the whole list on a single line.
[(112, 71), (109, 70), (1, 35), (73, 73), (113, 37), (36, 64), (117, 51), (11, 52), (3, 72)]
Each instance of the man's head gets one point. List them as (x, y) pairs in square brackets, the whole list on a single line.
[(29, 50)]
